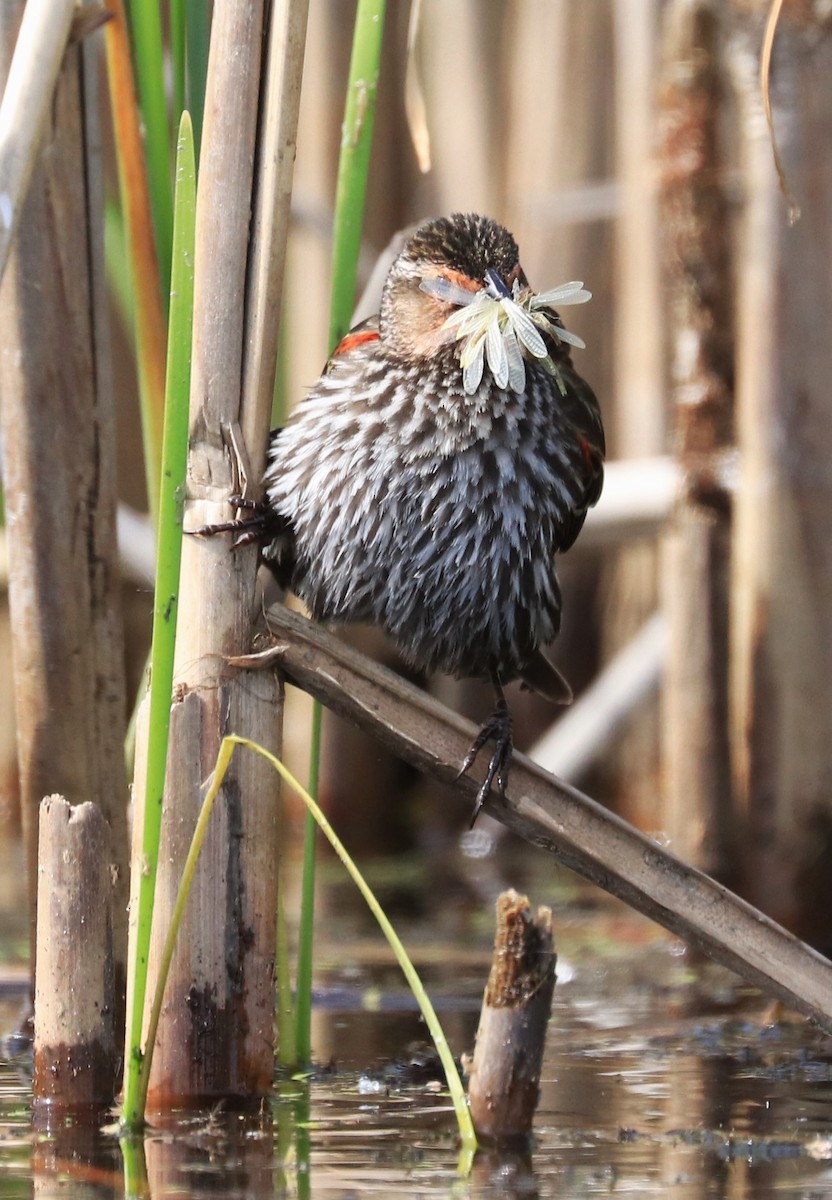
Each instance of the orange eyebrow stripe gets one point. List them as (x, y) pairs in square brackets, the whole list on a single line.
[(353, 340)]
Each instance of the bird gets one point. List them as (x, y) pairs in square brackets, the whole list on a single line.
[(429, 480)]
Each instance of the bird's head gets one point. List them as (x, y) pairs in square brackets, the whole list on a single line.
[(458, 283)]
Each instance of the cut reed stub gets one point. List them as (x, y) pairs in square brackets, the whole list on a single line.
[(504, 1081), (75, 1054)]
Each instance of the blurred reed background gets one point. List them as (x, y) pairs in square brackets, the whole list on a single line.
[(624, 143)]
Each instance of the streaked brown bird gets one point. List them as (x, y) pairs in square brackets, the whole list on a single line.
[(446, 456)]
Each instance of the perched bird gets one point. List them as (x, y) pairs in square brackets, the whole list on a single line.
[(446, 456)]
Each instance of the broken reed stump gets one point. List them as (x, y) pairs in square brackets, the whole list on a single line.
[(504, 1080), (75, 1046)]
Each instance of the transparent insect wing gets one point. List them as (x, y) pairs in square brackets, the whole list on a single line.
[(443, 289), (566, 335), (495, 352), (462, 323), (516, 366), (567, 293), (472, 345), (455, 323), (524, 328), (472, 370), (472, 318)]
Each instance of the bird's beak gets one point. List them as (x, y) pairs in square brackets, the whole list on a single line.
[(496, 286)]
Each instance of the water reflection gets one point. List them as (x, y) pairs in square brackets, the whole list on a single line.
[(663, 1077)]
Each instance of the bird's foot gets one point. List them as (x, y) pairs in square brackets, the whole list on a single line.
[(497, 728), (260, 526)]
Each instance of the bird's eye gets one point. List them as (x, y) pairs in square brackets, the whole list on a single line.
[(444, 290)]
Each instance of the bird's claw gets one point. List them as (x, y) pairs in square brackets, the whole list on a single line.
[(497, 728), (256, 527)]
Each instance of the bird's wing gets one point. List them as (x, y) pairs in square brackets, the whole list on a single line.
[(358, 338), (582, 411)]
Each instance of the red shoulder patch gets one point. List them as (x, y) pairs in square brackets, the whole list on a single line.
[(592, 458), (353, 340)]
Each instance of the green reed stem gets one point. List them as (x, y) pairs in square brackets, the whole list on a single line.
[(306, 924), (198, 38), (287, 1054), (177, 24), (354, 163), (174, 455)]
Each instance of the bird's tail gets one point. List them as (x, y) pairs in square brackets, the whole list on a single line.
[(541, 676)]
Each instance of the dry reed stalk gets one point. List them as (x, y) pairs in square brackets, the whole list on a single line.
[(276, 165), (58, 456), (699, 812), (504, 1083), (782, 568), (216, 1034), (28, 92), (304, 347), (637, 425), (75, 1044), (576, 830)]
